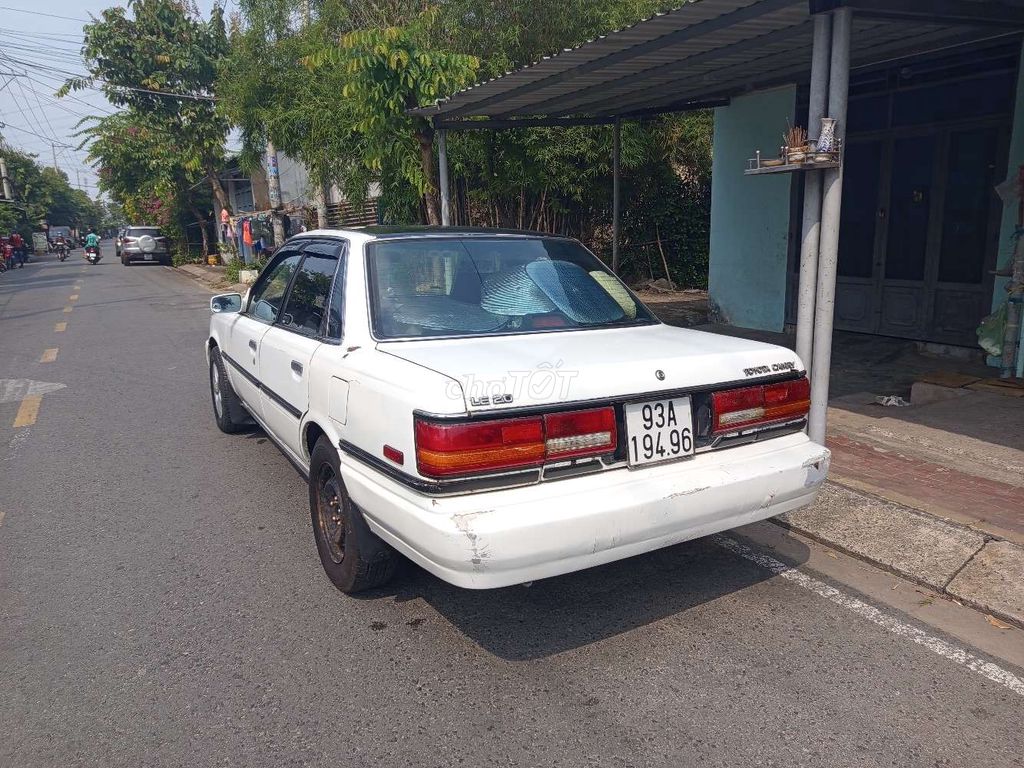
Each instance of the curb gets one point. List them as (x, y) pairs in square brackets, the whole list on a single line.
[(197, 273), (969, 566)]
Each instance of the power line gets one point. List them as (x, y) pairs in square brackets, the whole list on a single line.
[(167, 94), (33, 133), (64, 37), (40, 13)]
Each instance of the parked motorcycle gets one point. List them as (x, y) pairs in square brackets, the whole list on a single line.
[(92, 254)]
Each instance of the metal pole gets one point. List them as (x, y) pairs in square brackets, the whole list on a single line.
[(442, 170), (274, 192), (53, 148), (812, 193), (616, 193), (838, 91)]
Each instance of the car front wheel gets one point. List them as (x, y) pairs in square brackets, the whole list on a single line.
[(227, 407), (353, 557)]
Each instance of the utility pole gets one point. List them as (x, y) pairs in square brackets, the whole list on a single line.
[(53, 148), (274, 187), (8, 195)]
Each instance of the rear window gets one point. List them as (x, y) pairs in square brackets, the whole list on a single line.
[(422, 287), (140, 231)]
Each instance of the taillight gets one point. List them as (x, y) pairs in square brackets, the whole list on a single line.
[(579, 433), (443, 450), (736, 409), (455, 449)]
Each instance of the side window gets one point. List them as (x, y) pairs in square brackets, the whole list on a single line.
[(307, 301), (268, 294), (336, 309)]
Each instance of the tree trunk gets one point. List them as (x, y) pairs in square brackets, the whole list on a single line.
[(430, 198), (218, 189), (203, 229)]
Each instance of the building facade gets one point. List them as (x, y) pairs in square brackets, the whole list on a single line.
[(923, 227)]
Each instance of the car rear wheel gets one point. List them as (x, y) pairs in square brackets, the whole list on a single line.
[(228, 410), (353, 557)]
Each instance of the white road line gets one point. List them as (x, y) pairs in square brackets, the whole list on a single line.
[(943, 648)]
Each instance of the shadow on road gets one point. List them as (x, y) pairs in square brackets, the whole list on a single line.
[(572, 611), (564, 613)]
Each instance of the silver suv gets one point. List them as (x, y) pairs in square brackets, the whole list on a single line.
[(143, 244)]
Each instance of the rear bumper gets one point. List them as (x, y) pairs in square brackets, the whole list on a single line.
[(505, 537), (140, 256)]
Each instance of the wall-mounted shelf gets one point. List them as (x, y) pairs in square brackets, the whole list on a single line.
[(809, 165)]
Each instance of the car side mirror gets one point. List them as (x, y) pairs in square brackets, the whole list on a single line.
[(226, 302)]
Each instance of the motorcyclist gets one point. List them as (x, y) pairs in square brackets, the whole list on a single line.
[(92, 240)]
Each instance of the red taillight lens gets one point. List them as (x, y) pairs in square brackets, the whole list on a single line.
[(579, 433), (736, 409), (443, 450), (455, 449)]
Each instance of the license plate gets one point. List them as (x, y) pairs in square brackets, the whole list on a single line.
[(659, 430), (147, 256)]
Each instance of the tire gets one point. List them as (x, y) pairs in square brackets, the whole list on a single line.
[(360, 560), (126, 261), (228, 411)]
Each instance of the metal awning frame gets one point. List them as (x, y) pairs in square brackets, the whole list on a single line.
[(830, 66)]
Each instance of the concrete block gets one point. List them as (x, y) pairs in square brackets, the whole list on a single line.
[(994, 581), (896, 537)]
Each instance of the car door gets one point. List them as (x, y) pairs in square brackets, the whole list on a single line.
[(289, 345), (241, 345)]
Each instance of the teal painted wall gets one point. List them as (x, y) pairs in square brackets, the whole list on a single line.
[(1009, 222), (750, 214)]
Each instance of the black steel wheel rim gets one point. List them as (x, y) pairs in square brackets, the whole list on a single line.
[(330, 512)]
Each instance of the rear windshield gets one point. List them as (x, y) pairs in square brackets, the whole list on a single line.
[(140, 231), (421, 287)]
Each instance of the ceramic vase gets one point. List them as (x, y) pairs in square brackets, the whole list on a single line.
[(827, 139)]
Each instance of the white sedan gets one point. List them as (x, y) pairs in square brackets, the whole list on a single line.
[(499, 408)]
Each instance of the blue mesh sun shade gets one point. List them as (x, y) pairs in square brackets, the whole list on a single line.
[(574, 292), (440, 313), (515, 294)]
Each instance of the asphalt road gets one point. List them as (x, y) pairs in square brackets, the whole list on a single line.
[(161, 603)]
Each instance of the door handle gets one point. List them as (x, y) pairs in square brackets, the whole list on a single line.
[(252, 345), (297, 367)]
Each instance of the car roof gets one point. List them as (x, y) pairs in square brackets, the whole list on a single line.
[(412, 231)]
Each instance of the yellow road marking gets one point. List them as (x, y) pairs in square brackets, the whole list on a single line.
[(60, 327), (2, 516), (67, 310), (49, 355), (28, 411), (73, 297)]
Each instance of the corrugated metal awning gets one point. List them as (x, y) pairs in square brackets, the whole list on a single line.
[(710, 50)]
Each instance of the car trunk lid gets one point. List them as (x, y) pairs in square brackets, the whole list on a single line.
[(539, 369)]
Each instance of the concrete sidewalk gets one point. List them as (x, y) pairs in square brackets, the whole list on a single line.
[(214, 278), (933, 492)]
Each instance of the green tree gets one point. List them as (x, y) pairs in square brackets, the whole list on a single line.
[(160, 64), (264, 90), (387, 71), (42, 196)]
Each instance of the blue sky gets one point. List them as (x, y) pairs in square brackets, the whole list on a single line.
[(41, 42)]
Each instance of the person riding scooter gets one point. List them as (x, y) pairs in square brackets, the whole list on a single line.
[(61, 247), (92, 247)]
